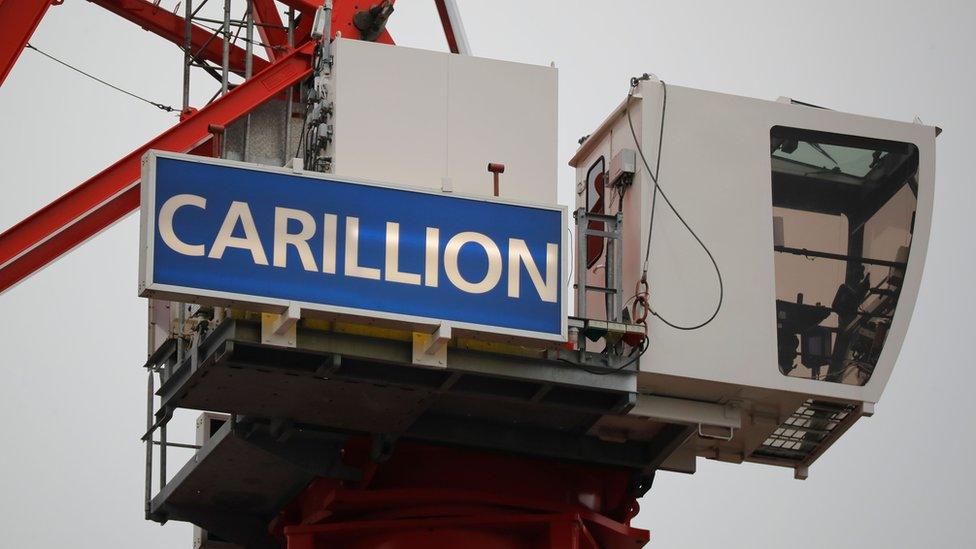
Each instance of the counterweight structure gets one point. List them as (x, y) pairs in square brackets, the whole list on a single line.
[(326, 426)]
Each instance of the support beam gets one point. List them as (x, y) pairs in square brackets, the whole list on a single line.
[(431, 349), (270, 28), (19, 19), (161, 22), (438, 339), (287, 319), (450, 17), (106, 198), (687, 412), (281, 329)]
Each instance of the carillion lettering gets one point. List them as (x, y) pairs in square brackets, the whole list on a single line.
[(238, 219), (231, 234)]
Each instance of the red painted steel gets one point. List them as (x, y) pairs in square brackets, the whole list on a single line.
[(270, 28), (97, 203), (342, 21), (309, 6), (161, 22), (91, 207), (433, 497), (446, 24), (18, 18)]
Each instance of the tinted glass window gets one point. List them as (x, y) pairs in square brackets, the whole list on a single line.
[(843, 212)]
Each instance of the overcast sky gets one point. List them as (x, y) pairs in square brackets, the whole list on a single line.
[(72, 400)]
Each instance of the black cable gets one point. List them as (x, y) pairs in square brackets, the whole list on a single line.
[(160, 106), (643, 349), (301, 134), (657, 167), (658, 190)]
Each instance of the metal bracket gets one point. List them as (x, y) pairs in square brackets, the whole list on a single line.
[(724, 432), (281, 329), (867, 409), (431, 349), (709, 418)]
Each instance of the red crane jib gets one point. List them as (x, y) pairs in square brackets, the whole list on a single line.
[(107, 197), (203, 42)]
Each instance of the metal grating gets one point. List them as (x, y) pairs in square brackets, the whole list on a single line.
[(813, 425)]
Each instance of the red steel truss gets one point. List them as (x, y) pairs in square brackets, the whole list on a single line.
[(107, 197), (97, 203), (20, 18), (269, 22), (204, 43)]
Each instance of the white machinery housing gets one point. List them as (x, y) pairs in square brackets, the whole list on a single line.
[(818, 221)]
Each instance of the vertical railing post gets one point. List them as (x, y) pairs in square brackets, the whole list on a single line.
[(187, 55), (289, 98), (248, 68), (162, 453), (149, 441), (225, 61)]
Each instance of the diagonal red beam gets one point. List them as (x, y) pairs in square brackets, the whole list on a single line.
[(171, 27), (106, 198), (306, 13), (451, 22), (18, 19), (270, 28)]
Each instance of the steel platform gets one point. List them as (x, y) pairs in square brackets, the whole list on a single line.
[(292, 403), (244, 474), (369, 385)]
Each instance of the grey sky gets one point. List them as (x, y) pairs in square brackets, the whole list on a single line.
[(73, 336)]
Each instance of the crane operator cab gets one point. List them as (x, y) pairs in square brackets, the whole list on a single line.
[(775, 249)]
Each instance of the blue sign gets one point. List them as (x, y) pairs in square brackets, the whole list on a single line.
[(228, 232)]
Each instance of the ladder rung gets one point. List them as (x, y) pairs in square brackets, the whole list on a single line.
[(604, 234), (597, 289), (590, 216)]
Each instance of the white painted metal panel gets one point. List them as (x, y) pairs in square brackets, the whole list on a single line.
[(417, 117), (502, 112), (715, 169), (390, 116)]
